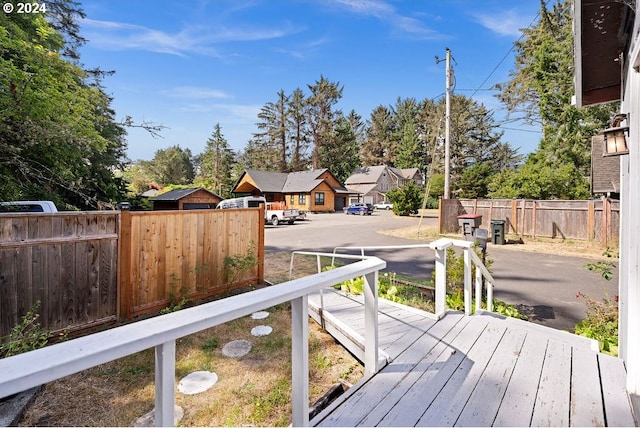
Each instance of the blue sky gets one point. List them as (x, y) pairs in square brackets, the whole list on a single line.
[(191, 64)]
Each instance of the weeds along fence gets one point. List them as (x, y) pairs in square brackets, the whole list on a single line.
[(91, 268), (591, 220)]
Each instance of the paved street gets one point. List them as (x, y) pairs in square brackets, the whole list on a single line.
[(545, 284)]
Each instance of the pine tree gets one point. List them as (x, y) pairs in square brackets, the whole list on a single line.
[(216, 164), (321, 115)]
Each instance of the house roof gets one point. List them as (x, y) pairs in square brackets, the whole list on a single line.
[(267, 181), (363, 189), (303, 181), (177, 194), (602, 32), (366, 174)]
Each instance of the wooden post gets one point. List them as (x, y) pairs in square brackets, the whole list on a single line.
[(514, 216), (490, 210), (522, 229), (591, 220), (261, 245), (606, 221), (534, 218), (475, 206), (440, 216), (124, 266)]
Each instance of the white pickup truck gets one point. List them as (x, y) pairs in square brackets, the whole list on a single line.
[(275, 212)]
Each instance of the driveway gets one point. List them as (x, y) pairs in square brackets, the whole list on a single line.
[(543, 285)]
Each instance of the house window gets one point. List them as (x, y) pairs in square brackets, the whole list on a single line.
[(302, 198), (319, 198), (291, 200)]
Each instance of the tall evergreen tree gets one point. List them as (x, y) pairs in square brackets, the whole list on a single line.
[(377, 147), (216, 164), (274, 126), (322, 116), (340, 155), (173, 165), (298, 131)]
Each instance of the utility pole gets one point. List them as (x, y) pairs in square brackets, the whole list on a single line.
[(447, 127)]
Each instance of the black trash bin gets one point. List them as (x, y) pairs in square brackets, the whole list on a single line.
[(497, 232)]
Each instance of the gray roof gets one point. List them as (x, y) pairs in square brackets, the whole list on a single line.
[(267, 181), (177, 194), (303, 181), (366, 174)]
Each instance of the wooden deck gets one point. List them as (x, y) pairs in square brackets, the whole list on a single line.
[(480, 370)]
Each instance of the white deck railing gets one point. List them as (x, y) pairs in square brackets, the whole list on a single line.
[(24, 371), (440, 247)]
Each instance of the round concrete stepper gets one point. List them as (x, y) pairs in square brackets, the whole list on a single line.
[(237, 348), (259, 315), (197, 382), (261, 330)]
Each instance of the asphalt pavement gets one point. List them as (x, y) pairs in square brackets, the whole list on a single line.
[(544, 286)]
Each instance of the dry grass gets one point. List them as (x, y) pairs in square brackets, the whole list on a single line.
[(568, 247), (252, 390)]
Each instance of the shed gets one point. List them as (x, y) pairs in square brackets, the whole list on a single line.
[(605, 170), (194, 198)]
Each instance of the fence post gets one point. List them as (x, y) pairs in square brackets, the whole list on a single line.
[(591, 220), (534, 217), (514, 216), (300, 361), (124, 266), (371, 323), (441, 280), (261, 245)]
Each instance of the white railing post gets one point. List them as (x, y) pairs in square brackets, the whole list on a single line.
[(300, 361), (441, 280), (478, 288), (371, 323), (165, 384), (468, 297), (489, 296)]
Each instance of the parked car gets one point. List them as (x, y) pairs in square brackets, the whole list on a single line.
[(383, 205), (362, 209), (28, 207)]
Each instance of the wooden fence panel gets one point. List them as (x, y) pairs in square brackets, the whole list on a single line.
[(587, 220), (67, 261), (183, 253)]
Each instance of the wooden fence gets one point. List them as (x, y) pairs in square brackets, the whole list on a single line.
[(592, 220), (91, 268), (183, 253)]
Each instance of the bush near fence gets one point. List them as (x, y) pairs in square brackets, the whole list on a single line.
[(591, 220), (92, 268)]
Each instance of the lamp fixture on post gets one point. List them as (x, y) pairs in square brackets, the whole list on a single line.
[(615, 138)]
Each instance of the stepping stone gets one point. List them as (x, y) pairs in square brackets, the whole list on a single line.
[(261, 330), (259, 315), (149, 419), (197, 382), (237, 348)]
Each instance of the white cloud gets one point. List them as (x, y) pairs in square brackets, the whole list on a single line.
[(196, 92), (120, 36), (505, 23), (386, 12)]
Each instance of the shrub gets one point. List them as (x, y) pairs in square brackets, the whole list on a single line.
[(27, 336)]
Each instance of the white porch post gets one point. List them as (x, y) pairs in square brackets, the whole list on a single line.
[(468, 296), (441, 280), (165, 383), (371, 323), (300, 361)]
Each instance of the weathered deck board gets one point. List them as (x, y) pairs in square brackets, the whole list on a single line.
[(480, 370)]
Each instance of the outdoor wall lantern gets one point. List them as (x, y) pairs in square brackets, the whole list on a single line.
[(615, 138)]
